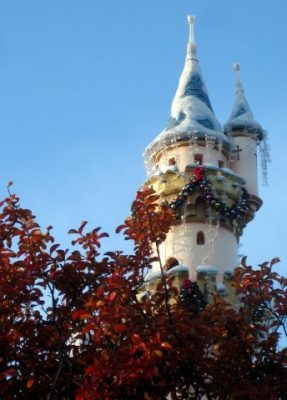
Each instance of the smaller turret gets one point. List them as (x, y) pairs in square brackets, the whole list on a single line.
[(241, 118), (247, 134)]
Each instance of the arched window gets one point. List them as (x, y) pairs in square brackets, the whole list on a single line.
[(200, 238), (171, 262)]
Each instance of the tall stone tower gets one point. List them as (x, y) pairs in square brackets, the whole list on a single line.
[(207, 174)]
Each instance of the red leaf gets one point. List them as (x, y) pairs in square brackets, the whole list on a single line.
[(82, 226), (166, 346), (274, 261), (30, 383), (120, 228), (81, 314), (71, 231), (112, 296), (120, 328), (136, 339), (53, 248)]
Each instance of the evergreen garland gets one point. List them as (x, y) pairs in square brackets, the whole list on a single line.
[(191, 297), (200, 180)]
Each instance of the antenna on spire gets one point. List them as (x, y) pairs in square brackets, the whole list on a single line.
[(191, 20), (191, 46), (237, 67)]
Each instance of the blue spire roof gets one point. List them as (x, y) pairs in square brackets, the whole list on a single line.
[(241, 118), (191, 111)]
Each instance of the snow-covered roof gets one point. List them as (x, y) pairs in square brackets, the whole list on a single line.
[(241, 118), (191, 111)]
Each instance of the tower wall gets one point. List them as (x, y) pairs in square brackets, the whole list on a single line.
[(185, 154), (219, 248), (245, 161)]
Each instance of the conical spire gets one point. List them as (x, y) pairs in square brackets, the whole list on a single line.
[(191, 83), (191, 111), (241, 118)]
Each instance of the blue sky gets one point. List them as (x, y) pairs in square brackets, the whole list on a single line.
[(86, 85)]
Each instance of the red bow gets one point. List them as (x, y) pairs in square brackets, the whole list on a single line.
[(198, 173)]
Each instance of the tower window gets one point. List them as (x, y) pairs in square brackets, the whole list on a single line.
[(220, 163), (200, 238), (172, 161), (171, 262), (200, 208), (198, 158)]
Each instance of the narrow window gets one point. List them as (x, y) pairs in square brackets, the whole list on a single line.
[(198, 158), (171, 262), (172, 161), (220, 163), (200, 208), (190, 210), (200, 238)]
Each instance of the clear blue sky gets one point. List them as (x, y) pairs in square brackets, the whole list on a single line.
[(86, 85)]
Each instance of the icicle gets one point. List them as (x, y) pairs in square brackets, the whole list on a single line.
[(211, 235), (265, 158), (209, 144), (176, 151), (223, 197), (196, 142), (239, 254), (190, 149), (192, 142), (164, 157), (208, 149), (234, 226), (178, 242), (147, 165), (193, 138), (232, 147)]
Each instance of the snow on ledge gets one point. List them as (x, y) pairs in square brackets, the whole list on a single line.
[(211, 166), (152, 275), (178, 269), (170, 168), (220, 287), (206, 269), (229, 271)]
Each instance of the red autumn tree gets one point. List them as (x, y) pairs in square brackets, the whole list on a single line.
[(72, 327)]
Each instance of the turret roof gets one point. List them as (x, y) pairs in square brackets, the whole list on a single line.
[(241, 118), (191, 111)]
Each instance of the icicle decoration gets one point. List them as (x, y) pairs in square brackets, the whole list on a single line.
[(265, 158), (211, 235), (240, 255), (208, 146), (220, 145)]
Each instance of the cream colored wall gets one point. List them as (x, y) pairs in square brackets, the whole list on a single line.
[(246, 166), (220, 248), (185, 155)]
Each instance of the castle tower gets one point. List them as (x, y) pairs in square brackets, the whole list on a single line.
[(246, 134), (207, 175)]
